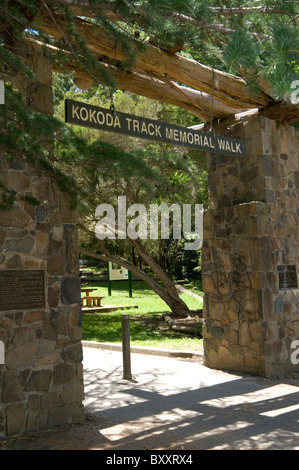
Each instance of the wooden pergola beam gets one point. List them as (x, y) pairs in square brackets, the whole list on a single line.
[(200, 104), (232, 91)]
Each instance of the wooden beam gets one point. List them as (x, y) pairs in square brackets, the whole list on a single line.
[(200, 104), (280, 112), (227, 122), (154, 87), (229, 89)]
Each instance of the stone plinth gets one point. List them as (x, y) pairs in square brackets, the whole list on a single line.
[(251, 231), (41, 382)]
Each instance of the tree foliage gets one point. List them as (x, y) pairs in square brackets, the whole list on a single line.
[(176, 174)]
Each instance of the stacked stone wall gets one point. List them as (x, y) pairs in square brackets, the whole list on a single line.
[(41, 381), (250, 230)]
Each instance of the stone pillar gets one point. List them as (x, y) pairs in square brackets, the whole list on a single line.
[(41, 380), (251, 237)]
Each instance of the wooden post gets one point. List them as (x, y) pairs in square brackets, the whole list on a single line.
[(127, 375), (109, 281), (130, 283)]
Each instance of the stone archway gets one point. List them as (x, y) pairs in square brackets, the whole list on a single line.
[(250, 230), (251, 252)]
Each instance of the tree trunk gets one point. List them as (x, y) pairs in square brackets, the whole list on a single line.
[(167, 291), (170, 296)]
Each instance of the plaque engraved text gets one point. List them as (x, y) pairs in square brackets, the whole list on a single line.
[(22, 289)]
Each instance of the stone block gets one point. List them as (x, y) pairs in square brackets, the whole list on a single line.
[(73, 393), (49, 327), (54, 295), (63, 373), (16, 218), (76, 316), (33, 401), (42, 243), (267, 304), (40, 96), (50, 400), (75, 333), (70, 290), (16, 164), (52, 358), (72, 255), (39, 380), (30, 262), (58, 233), (208, 284), (248, 174), (11, 390), (21, 355), (17, 181), (35, 420), (73, 353), (56, 264), (252, 363), (23, 334), (29, 208), (76, 413), (257, 331), (45, 347), (57, 416), (33, 317), (15, 419), (216, 310), (265, 248), (40, 213)]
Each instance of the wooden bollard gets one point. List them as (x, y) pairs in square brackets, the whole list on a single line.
[(127, 375)]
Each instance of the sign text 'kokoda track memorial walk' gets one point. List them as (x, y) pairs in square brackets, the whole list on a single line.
[(83, 114)]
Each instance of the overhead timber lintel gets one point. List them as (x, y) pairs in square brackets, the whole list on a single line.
[(229, 89)]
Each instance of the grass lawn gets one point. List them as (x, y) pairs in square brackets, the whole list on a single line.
[(146, 325)]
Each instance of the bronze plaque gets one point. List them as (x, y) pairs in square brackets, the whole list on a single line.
[(287, 277), (22, 289)]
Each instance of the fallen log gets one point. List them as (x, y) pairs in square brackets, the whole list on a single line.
[(181, 328)]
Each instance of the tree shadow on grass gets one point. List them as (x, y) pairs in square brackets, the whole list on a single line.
[(107, 328)]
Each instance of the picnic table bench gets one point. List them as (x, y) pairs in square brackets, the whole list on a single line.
[(90, 301)]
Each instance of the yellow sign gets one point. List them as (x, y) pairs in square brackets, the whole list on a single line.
[(117, 272)]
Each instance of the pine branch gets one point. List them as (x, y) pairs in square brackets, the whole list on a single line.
[(249, 10), (211, 26), (73, 3)]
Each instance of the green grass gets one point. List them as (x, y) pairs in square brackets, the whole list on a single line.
[(146, 325)]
